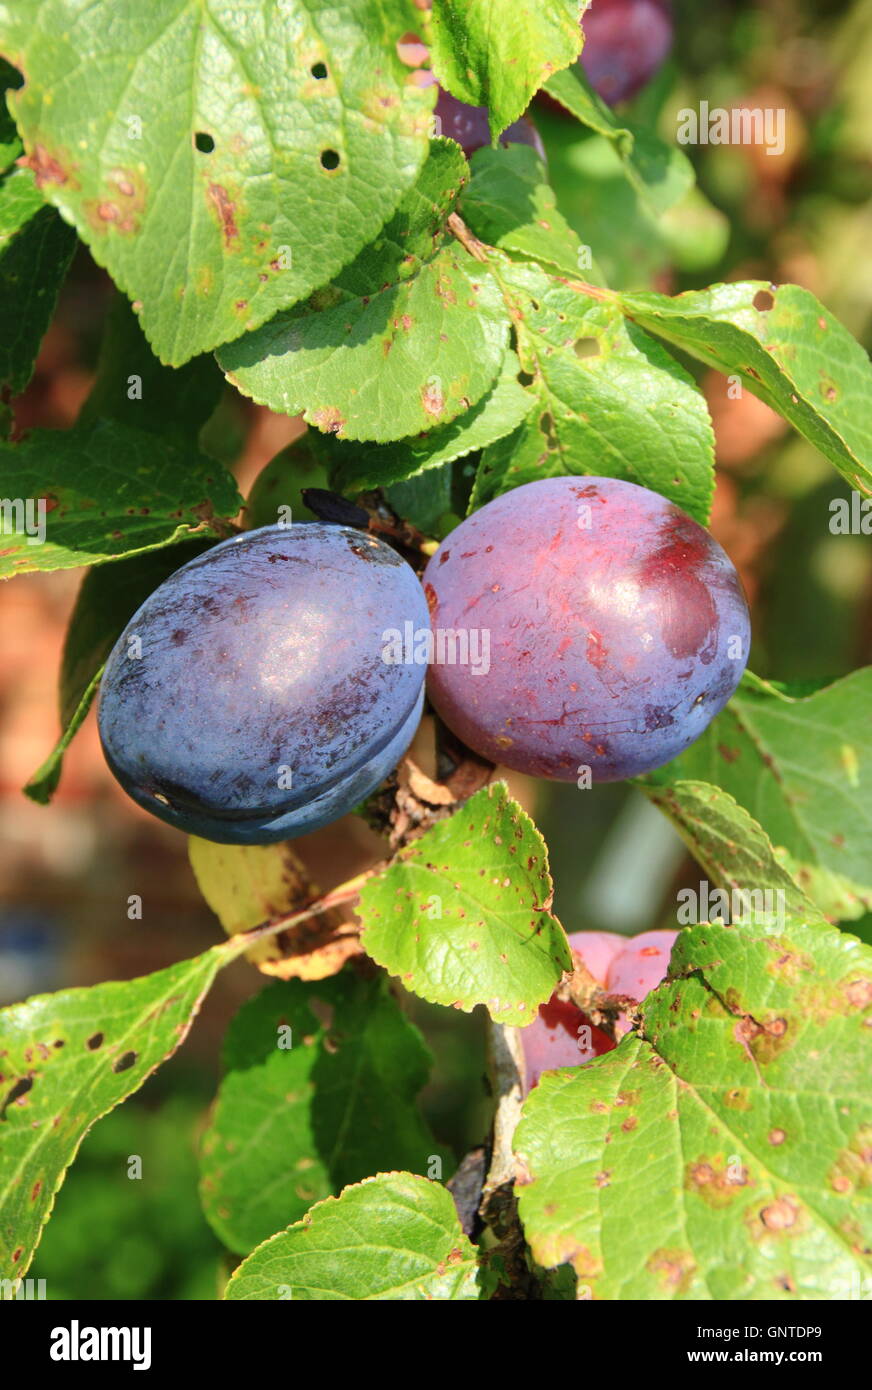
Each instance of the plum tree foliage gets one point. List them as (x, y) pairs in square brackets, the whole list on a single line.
[(501, 498)]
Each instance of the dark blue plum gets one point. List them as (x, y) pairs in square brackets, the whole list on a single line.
[(616, 629), (265, 657)]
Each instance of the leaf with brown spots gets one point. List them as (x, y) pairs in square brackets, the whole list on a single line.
[(748, 1174), (288, 143), (67, 1059), (410, 335), (110, 490), (802, 765), (394, 1236), (627, 409), (788, 349), (462, 915)]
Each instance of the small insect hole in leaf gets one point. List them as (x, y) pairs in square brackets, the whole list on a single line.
[(329, 159), (204, 142), (124, 1062), (763, 300), (319, 71), (587, 347), (525, 379), (95, 1041)]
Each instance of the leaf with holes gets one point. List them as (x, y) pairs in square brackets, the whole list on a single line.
[(319, 1091), (407, 338), (510, 204), (109, 491), (36, 248), (661, 174), (355, 467), (498, 53), (788, 350), (462, 914), (106, 601), (225, 163), (732, 1135), (394, 1236), (68, 1058), (802, 765), (607, 399)]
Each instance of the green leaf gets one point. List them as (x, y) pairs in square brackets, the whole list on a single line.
[(424, 500), (498, 53), (135, 389), (67, 1059), (462, 914), (106, 602), (409, 336), (394, 1237), (110, 491), (661, 174), (280, 484), (20, 201), (731, 1138), (354, 468), (607, 400), (300, 1114), (730, 845), (788, 350), (510, 204), (10, 141), (36, 248), (315, 132), (802, 766)]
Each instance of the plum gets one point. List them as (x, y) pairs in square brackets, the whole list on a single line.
[(631, 966), (468, 126), (598, 949), (625, 42), (560, 1036), (639, 966), (616, 629), (249, 698)]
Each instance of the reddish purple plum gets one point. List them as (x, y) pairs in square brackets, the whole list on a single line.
[(639, 966), (625, 42), (468, 126), (608, 629), (562, 1035)]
